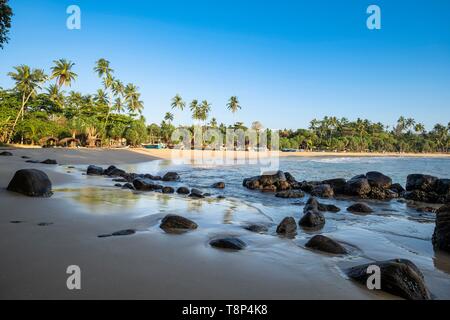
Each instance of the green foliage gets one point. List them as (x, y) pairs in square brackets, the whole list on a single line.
[(5, 21)]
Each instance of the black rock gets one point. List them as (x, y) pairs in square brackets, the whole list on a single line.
[(228, 243), (32, 161), (422, 196), (399, 277), (221, 197), (171, 176), (337, 184), (112, 171), (311, 204), (325, 244), (25, 157), (287, 226), (312, 219), (6, 154), (359, 208), (328, 207), (31, 182), (143, 184), (290, 178), (183, 190), (94, 170), (421, 182), (251, 183), (443, 186), (195, 193), (120, 180), (173, 222), (397, 187), (168, 190), (379, 180), (358, 186), (289, 194), (125, 232), (218, 185), (322, 191), (119, 185), (49, 161), (258, 228), (128, 186), (441, 235)]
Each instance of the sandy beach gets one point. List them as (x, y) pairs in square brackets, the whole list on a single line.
[(147, 265)]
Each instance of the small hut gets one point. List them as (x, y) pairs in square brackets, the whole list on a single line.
[(48, 142), (69, 142)]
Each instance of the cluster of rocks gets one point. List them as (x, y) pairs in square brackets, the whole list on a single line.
[(426, 188), (372, 185)]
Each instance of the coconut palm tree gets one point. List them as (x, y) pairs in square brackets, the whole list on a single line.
[(195, 109), (233, 104), (62, 72), (55, 95), (205, 109), (419, 128), (102, 68), (132, 98), (168, 117), (178, 103), (213, 123), (118, 105), (27, 82), (101, 98)]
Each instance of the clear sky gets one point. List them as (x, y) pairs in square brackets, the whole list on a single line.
[(287, 61)]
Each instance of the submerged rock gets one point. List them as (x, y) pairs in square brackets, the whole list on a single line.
[(228, 243), (328, 207), (6, 154), (31, 182), (171, 176), (399, 277), (94, 170), (183, 190), (258, 228), (119, 233), (168, 190), (196, 193), (359, 208), (173, 222), (128, 186), (49, 161), (441, 235), (325, 244), (287, 226), (271, 182), (219, 185), (119, 185)]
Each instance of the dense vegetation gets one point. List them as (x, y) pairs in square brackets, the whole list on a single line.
[(38, 111)]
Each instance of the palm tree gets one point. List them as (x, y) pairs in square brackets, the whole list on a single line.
[(195, 109), (132, 97), (213, 123), (28, 81), (233, 104), (178, 103), (102, 68), (205, 109), (101, 98), (55, 95), (419, 128), (62, 72), (168, 117), (118, 105)]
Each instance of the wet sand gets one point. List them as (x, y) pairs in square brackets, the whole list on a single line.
[(149, 264)]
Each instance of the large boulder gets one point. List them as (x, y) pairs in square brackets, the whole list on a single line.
[(183, 190), (322, 191), (397, 188), (31, 182), (422, 196), (312, 220), (251, 183), (443, 187), (311, 204), (171, 176), (94, 170), (325, 244), (358, 186), (172, 222), (421, 182), (112, 171), (378, 180), (441, 235), (228, 243), (287, 226), (196, 193), (167, 189), (337, 184), (399, 277), (328, 207)]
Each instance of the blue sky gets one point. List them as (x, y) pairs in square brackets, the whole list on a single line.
[(287, 61)]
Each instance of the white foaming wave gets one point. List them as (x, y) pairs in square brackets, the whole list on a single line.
[(348, 160)]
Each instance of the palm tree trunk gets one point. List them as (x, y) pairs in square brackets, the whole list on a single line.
[(17, 119)]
